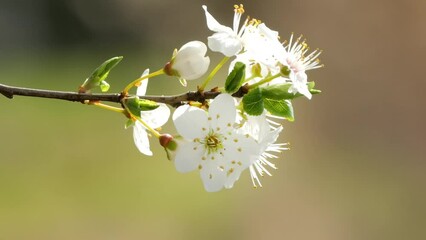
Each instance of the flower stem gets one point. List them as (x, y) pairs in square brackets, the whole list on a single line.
[(149, 128), (211, 75), (107, 107), (137, 81), (265, 80), (152, 130), (248, 79)]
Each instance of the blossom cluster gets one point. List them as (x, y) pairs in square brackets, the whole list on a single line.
[(219, 138), (238, 126)]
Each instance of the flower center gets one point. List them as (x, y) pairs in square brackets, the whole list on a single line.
[(213, 142)]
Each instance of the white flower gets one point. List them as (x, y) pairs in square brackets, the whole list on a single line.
[(261, 45), (154, 118), (259, 128), (213, 145), (225, 39), (189, 62)]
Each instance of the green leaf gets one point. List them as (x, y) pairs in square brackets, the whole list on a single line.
[(147, 105), (100, 74), (280, 108), (280, 91), (311, 86), (253, 102), (103, 70), (132, 103), (235, 78), (136, 105), (315, 91), (277, 91)]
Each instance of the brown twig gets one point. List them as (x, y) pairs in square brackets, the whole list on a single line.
[(175, 100)]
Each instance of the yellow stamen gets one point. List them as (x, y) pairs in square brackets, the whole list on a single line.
[(239, 9)]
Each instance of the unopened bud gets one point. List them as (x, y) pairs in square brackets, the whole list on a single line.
[(189, 61), (166, 140), (170, 145)]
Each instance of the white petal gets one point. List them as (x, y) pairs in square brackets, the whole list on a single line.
[(232, 178), (225, 43), (269, 138), (190, 49), (223, 111), (214, 25), (267, 32), (212, 175), (242, 149), (140, 137), (190, 62), (141, 90), (188, 157), (190, 122), (157, 117), (193, 67), (300, 80)]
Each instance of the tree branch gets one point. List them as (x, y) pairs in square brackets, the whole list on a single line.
[(175, 100), (10, 92)]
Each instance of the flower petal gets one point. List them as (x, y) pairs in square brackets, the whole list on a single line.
[(213, 24), (212, 175), (232, 178), (190, 62), (242, 149), (188, 157), (190, 122), (157, 117), (140, 136), (225, 43), (300, 80), (141, 90), (241, 152), (223, 111)]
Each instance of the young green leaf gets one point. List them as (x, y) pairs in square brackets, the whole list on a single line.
[(277, 91), (147, 105), (311, 86), (132, 104), (253, 102), (280, 91), (280, 108), (136, 105), (99, 75), (235, 78)]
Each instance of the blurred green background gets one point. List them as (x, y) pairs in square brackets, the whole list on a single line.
[(357, 165)]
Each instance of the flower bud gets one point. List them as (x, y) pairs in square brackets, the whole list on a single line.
[(189, 62), (165, 140)]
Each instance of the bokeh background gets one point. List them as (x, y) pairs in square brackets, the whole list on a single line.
[(356, 169)]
